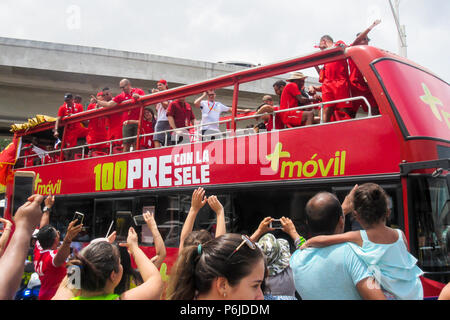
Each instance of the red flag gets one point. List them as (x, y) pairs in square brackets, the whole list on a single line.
[(8, 158)]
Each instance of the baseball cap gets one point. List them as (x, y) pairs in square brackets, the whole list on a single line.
[(68, 96), (164, 82)]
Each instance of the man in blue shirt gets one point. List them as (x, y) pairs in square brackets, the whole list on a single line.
[(334, 272)]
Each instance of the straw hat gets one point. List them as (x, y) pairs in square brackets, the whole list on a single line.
[(296, 75)]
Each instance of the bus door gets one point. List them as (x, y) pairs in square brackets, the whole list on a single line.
[(105, 214), (428, 201)]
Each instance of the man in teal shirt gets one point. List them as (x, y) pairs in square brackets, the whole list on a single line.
[(334, 272)]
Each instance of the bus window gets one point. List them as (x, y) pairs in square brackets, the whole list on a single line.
[(167, 218), (63, 214), (253, 206), (395, 207), (206, 217), (430, 204)]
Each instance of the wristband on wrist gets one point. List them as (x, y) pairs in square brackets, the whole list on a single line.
[(45, 209), (299, 241)]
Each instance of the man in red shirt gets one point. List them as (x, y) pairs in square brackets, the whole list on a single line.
[(73, 131), (358, 84), (335, 84), (128, 129), (50, 260), (97, 129), (293, 97), (180, 115), (147, 122)]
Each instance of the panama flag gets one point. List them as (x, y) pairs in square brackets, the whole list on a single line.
[(8, 158)]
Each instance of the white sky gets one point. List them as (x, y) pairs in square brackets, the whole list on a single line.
[(256, 31)]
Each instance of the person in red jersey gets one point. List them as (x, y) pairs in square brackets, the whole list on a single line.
[(358, 84), (74, 130), (50, 257), (128, 93), (293, 97), (180, 115), (97, 129), (335, 84), (147, 127)]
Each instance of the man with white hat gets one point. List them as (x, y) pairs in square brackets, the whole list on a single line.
[(293, 97)]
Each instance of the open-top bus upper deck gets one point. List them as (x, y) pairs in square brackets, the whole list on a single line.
[(413, 125)]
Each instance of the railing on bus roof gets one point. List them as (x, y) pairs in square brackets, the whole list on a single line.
[(197, 136)]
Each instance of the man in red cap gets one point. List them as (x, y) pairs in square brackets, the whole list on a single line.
[(128, 129), (335, 84), (293, 97), (97, 128)]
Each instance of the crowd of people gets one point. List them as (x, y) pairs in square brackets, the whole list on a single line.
[(340, 80), (371, 263)]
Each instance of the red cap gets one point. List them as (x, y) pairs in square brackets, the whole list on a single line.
[(164, 82), (100, 94)]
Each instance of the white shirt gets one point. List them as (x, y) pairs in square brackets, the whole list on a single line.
[(162, 113), (211, 113)]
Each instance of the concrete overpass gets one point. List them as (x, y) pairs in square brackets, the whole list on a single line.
[(34, 76)]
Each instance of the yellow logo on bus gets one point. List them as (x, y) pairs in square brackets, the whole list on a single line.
[(313, 167)]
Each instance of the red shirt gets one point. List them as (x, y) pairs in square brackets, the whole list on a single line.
[(289, 96), (49, 275), (65, 110), (96, 127), (278, 122), (182, 114), (146, 128), (336, 70), (134, 113)]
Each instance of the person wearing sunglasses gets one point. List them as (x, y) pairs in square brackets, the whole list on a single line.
[(228, 267)]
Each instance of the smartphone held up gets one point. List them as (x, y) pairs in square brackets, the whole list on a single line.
[(23, 188)]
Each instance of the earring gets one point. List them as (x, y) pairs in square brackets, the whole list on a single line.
[(224, 294)]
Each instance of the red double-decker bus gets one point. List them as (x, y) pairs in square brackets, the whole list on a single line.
[(404, 146)]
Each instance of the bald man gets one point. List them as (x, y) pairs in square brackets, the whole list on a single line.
[(334, 272), (128, 129)]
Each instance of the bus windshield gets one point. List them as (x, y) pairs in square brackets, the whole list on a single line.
[(431, 205), (418, 99)]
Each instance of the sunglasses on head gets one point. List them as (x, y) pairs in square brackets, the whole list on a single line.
[(245, 240)]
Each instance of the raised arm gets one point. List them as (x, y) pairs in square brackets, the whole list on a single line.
[(49, 202), (289, 227), (7, 225), (199, 99), (26, 219), (197, 202), (64, 248), (157, 238), (262, 229), (152, 287), (364, 34), (217, 207)]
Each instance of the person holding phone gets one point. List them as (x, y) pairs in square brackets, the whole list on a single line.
[(12, 261), (50, 257), (279, 283), (7, 225), (101, 271)]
